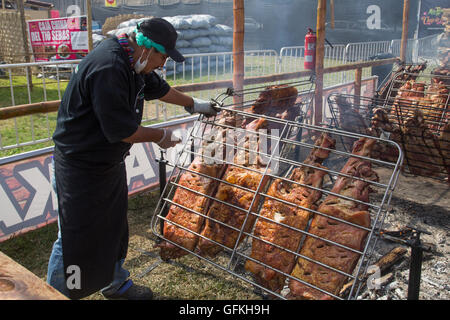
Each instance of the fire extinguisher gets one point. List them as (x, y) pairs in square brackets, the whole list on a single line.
[(310, 50)]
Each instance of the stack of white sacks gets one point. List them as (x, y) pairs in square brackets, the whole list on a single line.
[(197, 34)]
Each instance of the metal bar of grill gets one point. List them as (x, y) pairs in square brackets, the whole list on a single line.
[(294, 135), (415, 113)]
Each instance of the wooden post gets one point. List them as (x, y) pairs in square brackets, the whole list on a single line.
[(238, 50), (89, 24), (332, 14), (21, 10), (358, 81), (320, 48), (404, 43)]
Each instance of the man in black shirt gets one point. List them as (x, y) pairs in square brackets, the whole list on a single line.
[(98, 121)]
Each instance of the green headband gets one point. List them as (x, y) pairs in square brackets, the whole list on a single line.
[(148, 43)]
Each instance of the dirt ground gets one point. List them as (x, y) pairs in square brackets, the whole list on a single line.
[(421, 203)]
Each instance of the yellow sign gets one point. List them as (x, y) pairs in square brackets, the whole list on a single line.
[(110, 3)]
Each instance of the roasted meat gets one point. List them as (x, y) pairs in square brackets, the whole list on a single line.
[(350, 120), (200, 183), (381, 125), (422, 150), (274, 212), (277, 101), (224, 222), (330, 229), (431, 100), (402, 74)]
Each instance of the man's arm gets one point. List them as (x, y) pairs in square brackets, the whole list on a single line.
[(162, 137), (179, 98), (145, 134)]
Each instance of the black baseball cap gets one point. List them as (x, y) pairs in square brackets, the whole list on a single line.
[(162, 32)]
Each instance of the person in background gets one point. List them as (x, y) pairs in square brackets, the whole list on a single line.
[(98, 121)]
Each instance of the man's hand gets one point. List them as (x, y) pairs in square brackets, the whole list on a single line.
[(168, 140), (202, 106)]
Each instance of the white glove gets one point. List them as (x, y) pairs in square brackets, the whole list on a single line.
[(203, 107), (168, 140)]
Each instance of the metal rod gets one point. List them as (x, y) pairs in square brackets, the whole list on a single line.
[(415, 268)]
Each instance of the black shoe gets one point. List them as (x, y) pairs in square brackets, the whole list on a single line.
[(131, 291)]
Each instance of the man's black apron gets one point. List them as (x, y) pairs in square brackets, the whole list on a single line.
[(93, 196), (93, 220)]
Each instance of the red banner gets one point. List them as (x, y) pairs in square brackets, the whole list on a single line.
[(59, 38)]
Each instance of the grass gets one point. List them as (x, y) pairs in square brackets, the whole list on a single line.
[(185, 278)]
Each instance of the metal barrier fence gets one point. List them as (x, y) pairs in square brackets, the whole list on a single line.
[(395, 49), (50, 79), (291, 59), (426, 47)]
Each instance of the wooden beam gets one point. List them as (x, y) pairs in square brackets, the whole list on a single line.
[(404, 41), (28, 109), (320, 51), (238, 50), (18, 283), (356, 65), (358, 81)]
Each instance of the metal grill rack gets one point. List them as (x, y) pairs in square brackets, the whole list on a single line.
[(292, 135), (417, 118), (402, 72)]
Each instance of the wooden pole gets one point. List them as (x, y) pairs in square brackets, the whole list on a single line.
[(320, 48), (358, 81), (89, 24), (238, 50), (404, 43), (27, 109), (332, 14), (21, 10)]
